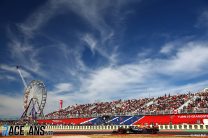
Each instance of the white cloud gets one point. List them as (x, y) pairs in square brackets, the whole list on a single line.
[(8, 77), (134, 78), (93, 12), (167, 48), (39, 18), (62, 87), (11, 105), (190, 59), (94, 47), (24, 54), (137, 79), (91, 42), (203, 19), (14, 70), (61, 91), (110, 79)]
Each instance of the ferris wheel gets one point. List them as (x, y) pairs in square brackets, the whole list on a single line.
[(35, 95)]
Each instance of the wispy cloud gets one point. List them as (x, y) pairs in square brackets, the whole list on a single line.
[(94, 12), (7, 77), (14, 70), (91, 42), (203, 19), (62, 87), (188, 62), (167, 49), (11, 105), (61, 63), (24, 53), (94, 47), (193, 55), (38, 19)]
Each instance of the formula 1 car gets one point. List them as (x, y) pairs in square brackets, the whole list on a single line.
[(137, 130)]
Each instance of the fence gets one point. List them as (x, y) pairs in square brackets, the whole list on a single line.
[(115, 127)]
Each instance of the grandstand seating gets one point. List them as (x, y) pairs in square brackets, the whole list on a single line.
[(121, 111), (190, 108), (197, 104)]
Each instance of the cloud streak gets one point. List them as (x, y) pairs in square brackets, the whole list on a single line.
[(13, 69), (188, 62), (11, 106)]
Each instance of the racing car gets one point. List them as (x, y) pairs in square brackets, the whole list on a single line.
[(137, 130)]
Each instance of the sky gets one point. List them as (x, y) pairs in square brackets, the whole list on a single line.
[(87, 51)]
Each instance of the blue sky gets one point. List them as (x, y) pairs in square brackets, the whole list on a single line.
[(91, 50)]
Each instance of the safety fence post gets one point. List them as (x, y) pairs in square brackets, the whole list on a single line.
[(206, 126), (182, 126)]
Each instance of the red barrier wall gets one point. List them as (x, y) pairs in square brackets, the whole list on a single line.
[(157, 119), (174, 119), (74, 121)]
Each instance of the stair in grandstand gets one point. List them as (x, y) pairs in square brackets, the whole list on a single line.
[(118, 105), (187, 102), (145, 105), (92, 107)]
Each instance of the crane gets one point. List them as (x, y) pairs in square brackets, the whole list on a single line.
[(23, 80)]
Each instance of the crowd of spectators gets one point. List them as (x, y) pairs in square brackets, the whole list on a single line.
[(129, 107), (117, 107), (197, 104), (167, 103), (16, 122)]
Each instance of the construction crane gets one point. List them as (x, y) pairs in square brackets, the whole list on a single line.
[(23, 80)]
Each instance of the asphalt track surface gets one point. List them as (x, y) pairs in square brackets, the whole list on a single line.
[(110, 132), (159, 134), (104, 132)]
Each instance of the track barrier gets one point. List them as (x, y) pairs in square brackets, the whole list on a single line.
[(184, 127), (115, 127)]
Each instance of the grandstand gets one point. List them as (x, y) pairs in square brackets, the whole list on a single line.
[(190, 108)]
